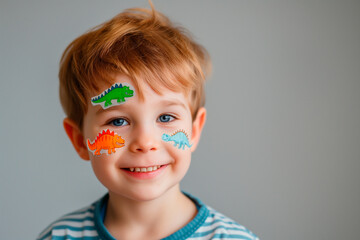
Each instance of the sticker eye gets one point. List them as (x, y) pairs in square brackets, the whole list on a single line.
[(166, 118), (119, 122)]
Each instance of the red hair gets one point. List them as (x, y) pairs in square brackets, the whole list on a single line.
[(142, 44)]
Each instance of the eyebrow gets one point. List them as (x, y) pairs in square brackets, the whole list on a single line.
[(169, 103), (165, 103), (114, 108)]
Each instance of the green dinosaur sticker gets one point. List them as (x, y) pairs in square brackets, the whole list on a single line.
[(115, 95), (180, 139)]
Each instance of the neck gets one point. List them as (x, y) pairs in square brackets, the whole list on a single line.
[(161, 216)]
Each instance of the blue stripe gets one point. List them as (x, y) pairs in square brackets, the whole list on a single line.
[(75, 229), (88, 210), (221, 236), (88, 218), (45, 236), (222, 221), (230, 229)]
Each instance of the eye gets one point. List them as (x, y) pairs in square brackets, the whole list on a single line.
[(118, 122), (166, 118)]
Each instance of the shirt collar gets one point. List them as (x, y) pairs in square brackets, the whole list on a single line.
[(183, 233)]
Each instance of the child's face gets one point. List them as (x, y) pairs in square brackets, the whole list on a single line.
[(141, 124)]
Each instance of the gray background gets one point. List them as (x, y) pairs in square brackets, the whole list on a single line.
[(281, 149)]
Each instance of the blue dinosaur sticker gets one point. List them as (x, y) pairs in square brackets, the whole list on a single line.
[(180, 139)]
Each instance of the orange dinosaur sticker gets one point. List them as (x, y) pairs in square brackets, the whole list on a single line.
[(106, 140)]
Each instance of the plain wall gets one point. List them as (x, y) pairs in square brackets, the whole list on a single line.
[(280, 152)]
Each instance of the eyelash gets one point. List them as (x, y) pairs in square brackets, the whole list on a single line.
[(112, 122), (171, 116), (123, 120)]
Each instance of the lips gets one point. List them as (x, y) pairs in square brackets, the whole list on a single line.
[(144, 169), (145, 172)]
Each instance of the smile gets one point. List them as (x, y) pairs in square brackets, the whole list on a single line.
[(144, 169), (145, 173)]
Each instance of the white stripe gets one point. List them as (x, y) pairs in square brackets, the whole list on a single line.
[(82, 210), (217, 215), (227, 226), (228, 238), (227, 232), (78, 216), (211, 236), (74, 224), (67, 232), (67, 223), (74, 215), (200, 238), (229, 223), (46, 231)]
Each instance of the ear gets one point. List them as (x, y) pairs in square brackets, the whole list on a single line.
[(76, 138), (197, 127)]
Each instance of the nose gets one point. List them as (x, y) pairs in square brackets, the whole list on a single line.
[(144, 140)]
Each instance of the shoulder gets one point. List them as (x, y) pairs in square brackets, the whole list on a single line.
[(219, 226), (76, 224), (215, 225)]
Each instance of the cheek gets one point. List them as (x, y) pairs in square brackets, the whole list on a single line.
[(100, 166), (182, 163), (181, 158), (104, 167)]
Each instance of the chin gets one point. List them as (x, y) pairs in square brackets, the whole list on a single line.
[(144, 194)]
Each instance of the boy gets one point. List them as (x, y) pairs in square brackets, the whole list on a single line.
[(132, 90)]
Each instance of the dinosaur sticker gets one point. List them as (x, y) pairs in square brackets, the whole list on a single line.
[(106, 140), (116, 92), (180, 139)]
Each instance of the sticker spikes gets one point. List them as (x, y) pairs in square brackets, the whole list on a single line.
[(107, 132), (180, 130)]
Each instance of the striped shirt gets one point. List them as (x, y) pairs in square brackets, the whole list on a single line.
[(87, 223)]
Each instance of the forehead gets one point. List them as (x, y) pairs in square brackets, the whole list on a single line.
[(142, 92), (140, 85)]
